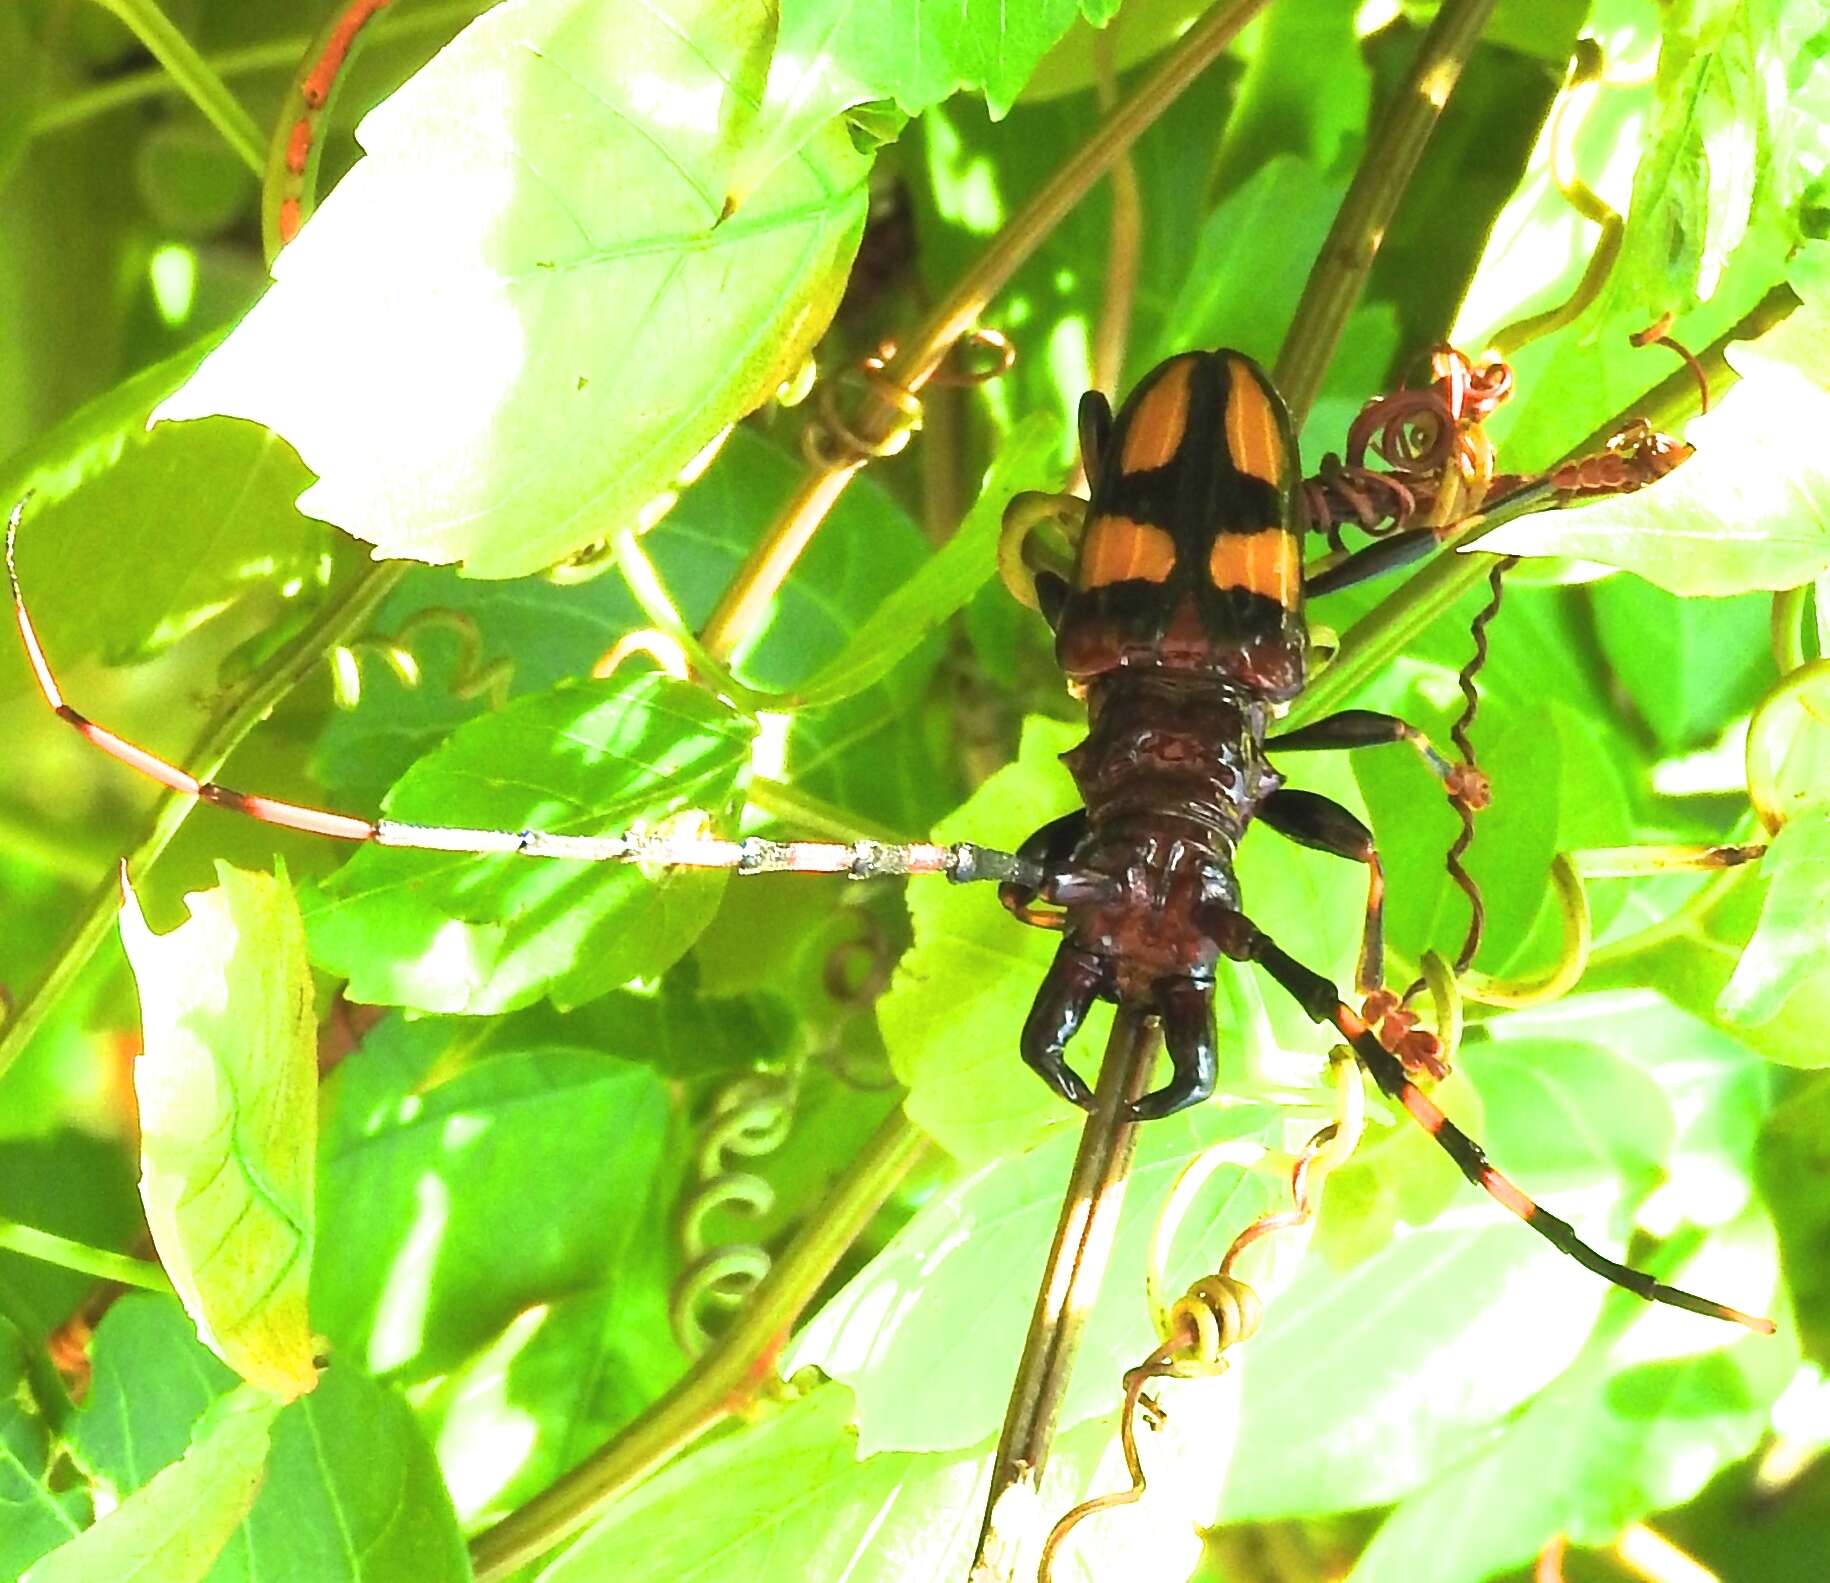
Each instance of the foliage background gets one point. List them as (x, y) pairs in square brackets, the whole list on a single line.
[(500, 338)]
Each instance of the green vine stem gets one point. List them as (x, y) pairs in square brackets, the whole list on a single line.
[(726, 1380), (82, 1258), (153, 28), (253, 60), (754, 587), (1788, 628), (1366, 212), (336, 623)]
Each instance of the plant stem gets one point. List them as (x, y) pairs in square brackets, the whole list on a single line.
[(1385, 171), (1013, 1530), (921, 353), (726, 1380), (82, 1258), (274, 55), (1113, 330), (194, 77), (338, 620)]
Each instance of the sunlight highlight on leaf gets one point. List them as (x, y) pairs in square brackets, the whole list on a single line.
[(173, 1529), (534, 302), (227, 1086)]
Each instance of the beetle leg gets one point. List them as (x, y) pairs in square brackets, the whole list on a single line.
[(1315, 821), (1068, 989), (1186, 1006), (1051, 848)]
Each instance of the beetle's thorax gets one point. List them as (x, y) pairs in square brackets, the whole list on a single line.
[(1170, 772)]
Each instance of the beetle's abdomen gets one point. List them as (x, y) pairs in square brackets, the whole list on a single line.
[(1191, 559)]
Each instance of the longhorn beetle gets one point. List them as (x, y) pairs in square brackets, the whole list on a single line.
[(1183, 624)]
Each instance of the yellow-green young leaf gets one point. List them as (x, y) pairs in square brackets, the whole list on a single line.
[(539, 296), (1792, 940), (173, 1529), (1751, 510), (227, 1085)]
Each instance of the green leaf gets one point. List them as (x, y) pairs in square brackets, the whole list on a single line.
[(173, 1529), (353, 1495), (831, 55), (1793, 1161), (35, 1515), (421, 1176), (1791, 943), (169, 526), (455, 932), (1626, 1431), (974, 1254), (1690, 665), (795, 1501), (1707, 149), (535, 634), (152, 1381), (1788, 747), (519, 318), (1751, 510), (554, 1386), (946, 581), (957, 1002), (227, 1083)]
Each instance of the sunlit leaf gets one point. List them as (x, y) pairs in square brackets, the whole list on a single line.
[(975, 1254), (534, 302), (451, 932), (215, 500), (1708, 147), (1751, 510), (831, 55), (172, 1529), (422, 1174), (227, 1087), (1792, 940), (35, 1514), (1628, 1430), (795, 1486)]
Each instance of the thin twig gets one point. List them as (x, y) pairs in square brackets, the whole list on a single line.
[(726, 1380), (1014, 1527), (754, 588), (1113, 330), (334, 624), (1366, 212), (167, 45)]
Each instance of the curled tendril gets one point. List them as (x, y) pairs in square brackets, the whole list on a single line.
[(751, 1118), (1219, 1310), (832, 444), (472, 676), (1435, 458)]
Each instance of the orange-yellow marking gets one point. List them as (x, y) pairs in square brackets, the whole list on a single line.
[(1508, 1195), (1252, 438), (1156, 428), (1424, 1111), (1118, 550), (1266, 562)]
